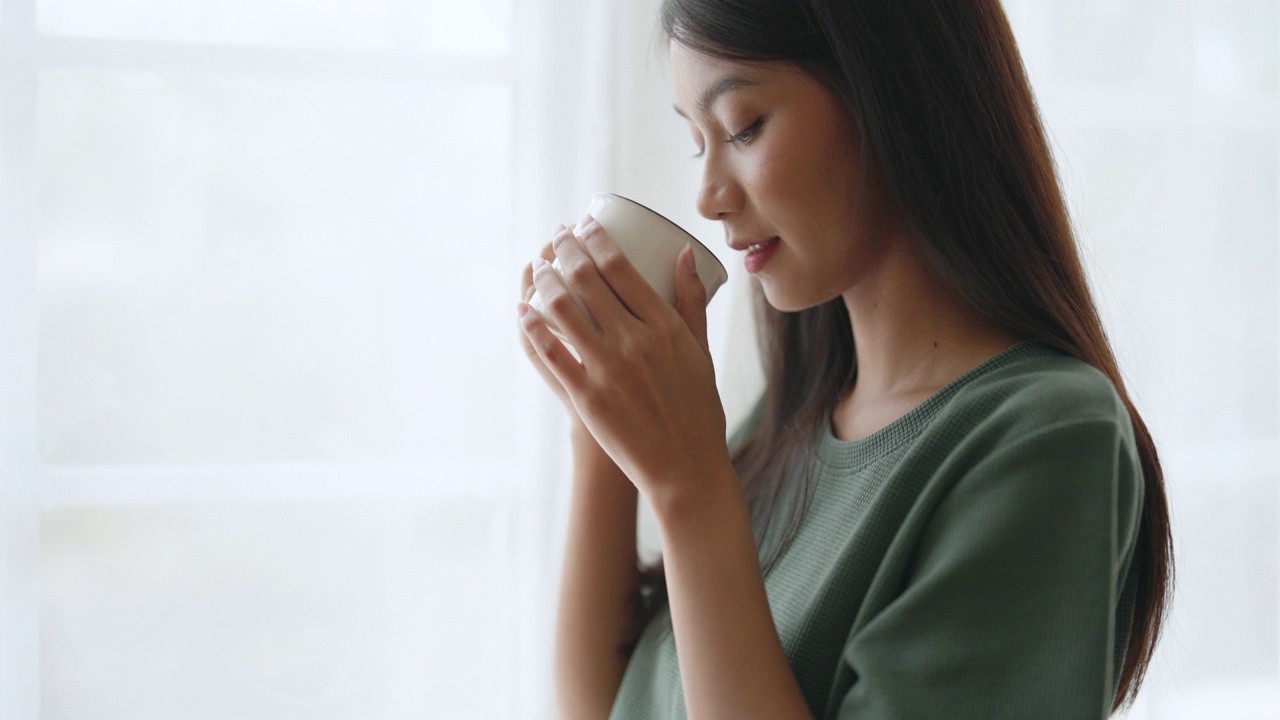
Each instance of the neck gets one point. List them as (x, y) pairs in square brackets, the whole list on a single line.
[(912, 335)]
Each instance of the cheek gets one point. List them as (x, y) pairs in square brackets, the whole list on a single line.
[(811, 158), (805, 187), (788, 177)]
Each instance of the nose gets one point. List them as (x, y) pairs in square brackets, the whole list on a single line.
[(720, 194)]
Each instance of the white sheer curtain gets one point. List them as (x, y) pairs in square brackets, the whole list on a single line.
[(268, 447)]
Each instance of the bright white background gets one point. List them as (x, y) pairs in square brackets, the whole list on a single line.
[(269, 449)]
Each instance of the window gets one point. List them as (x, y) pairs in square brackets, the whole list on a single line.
[(249, 250)]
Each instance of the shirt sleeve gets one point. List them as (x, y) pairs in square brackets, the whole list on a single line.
[(1008, 604)]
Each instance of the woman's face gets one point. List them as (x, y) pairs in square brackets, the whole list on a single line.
[(780, 161)]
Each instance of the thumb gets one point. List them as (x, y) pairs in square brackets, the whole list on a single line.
[(691, 297)]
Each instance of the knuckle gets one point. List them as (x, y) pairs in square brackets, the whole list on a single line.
[(612, 262), (560, 303), (552, 354), (580, 273), (631, 351)]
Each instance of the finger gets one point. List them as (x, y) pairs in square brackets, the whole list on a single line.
[(622, 277), (561, 307), (536, 359), (548, 252), (554, 354), (527, 287), (691, 297), (581, 274), (526, 283), (526, 280)]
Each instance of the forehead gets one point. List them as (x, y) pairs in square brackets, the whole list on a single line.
[(691, 63), (694, 73)]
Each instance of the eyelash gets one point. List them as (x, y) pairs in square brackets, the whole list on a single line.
[(742, 137)]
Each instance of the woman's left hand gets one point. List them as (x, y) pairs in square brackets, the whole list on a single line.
[(645, 387)]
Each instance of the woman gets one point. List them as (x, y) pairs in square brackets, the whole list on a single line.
[(944, 504)]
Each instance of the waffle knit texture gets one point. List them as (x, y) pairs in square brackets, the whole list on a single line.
[(970, 560)]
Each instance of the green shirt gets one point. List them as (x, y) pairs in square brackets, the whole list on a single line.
[(969, 560)]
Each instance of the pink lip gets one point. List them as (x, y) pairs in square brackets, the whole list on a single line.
[(755, 261)]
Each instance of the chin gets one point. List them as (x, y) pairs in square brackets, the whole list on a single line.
[(787, 303)]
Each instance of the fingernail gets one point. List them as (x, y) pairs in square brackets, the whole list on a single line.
[(522, 309), (690, 263), (538, 263), (557, 229)]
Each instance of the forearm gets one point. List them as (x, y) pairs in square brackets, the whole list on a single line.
[(599, 577), (732, 664)]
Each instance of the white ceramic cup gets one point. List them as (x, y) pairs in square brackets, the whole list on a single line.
[(652, 243)]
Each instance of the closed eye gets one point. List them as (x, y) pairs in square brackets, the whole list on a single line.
[(742, 137), (747, 134)]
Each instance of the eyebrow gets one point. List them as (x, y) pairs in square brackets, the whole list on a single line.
[(721, 86)]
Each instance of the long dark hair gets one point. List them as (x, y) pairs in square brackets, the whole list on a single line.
[(941, 104)]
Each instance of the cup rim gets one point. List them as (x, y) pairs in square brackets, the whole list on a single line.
[(670, 222)]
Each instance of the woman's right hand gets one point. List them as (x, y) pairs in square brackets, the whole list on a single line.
[(526, 292), (579, 436)]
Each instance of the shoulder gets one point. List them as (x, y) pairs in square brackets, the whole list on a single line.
[(1045, 436), (1044, 418), (1043, 389)]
